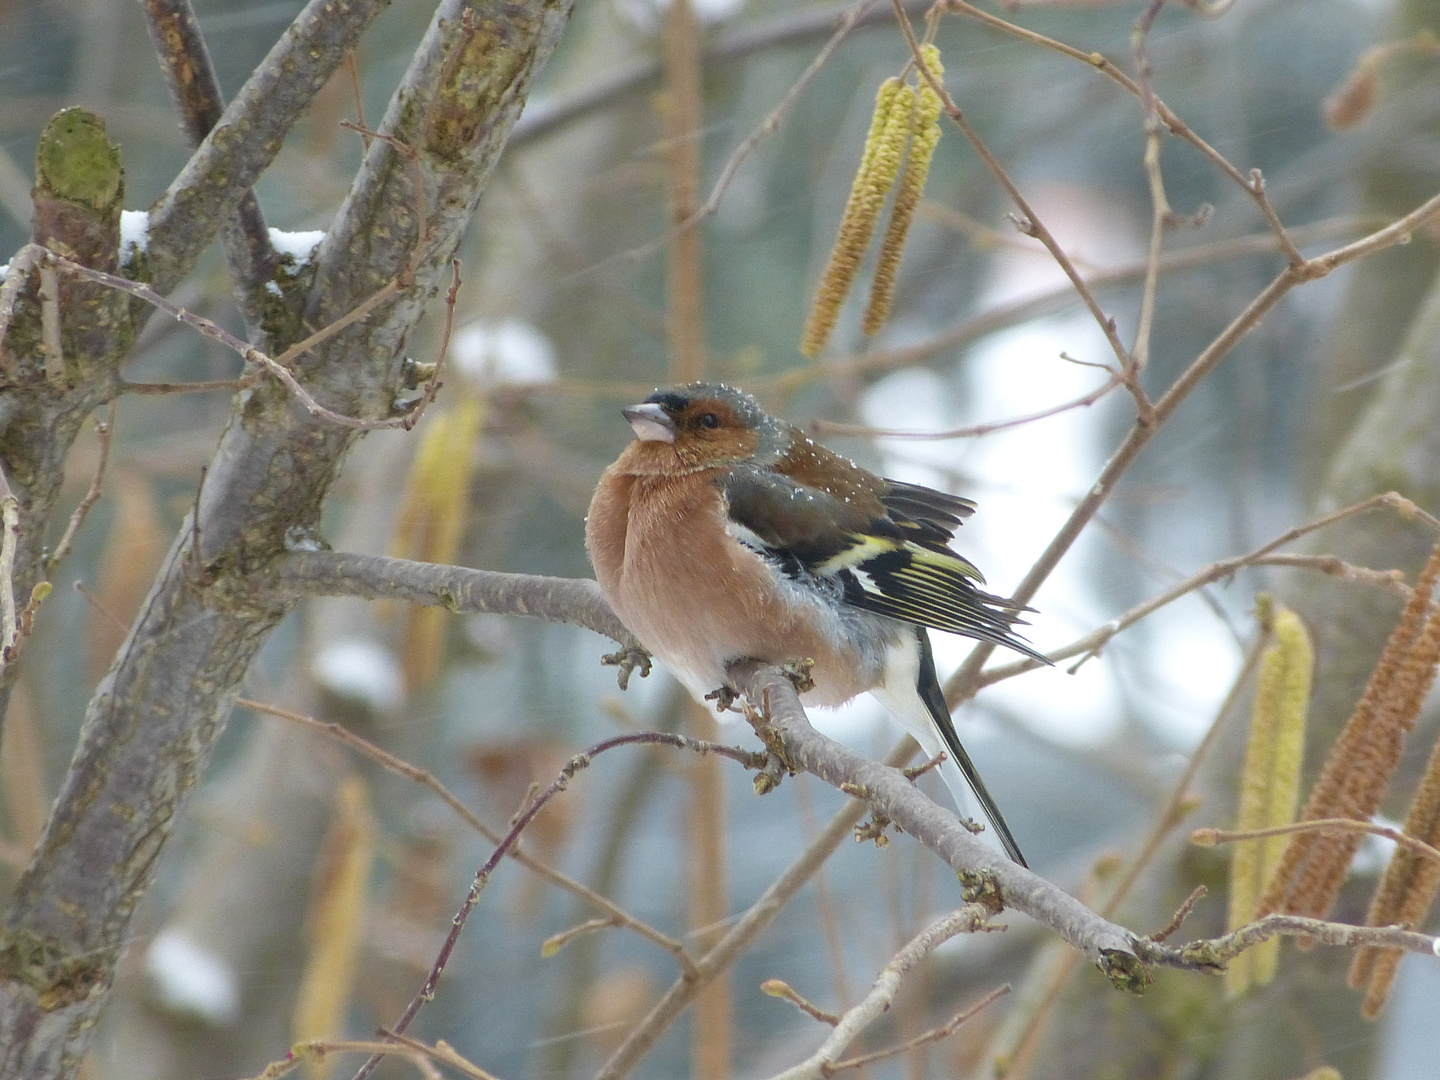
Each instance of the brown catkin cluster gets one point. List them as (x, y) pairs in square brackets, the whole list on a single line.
[(904, 130), (1411, 882), (1361, 762), (1352, 102)]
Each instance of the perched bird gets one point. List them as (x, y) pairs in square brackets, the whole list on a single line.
[(722, 534)]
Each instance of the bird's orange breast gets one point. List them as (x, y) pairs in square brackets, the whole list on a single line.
[(697, 598)]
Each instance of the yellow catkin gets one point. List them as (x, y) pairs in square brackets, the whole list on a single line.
[(431, 523), (879, 166), (925, 136), (1270, 785), (337, 923)]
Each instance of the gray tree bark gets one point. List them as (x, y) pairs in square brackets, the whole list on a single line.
[(154, 720)]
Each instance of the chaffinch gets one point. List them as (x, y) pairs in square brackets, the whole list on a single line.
[(722, 534)]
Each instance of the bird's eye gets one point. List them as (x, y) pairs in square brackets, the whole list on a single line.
[(709, 420)]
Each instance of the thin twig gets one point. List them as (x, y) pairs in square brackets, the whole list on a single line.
[(778, 988), (1029, 222), (747, 146), (247, 351), (1181, 914), (355, 314), (417, 1053), (1091, 644), (433, 384), (104, 433), (1251, 185), (532, 807), (1412, 844), (617, 916), (1083, 401), (352, 72), (1160, 213), (1212, 954), (933, 1035), (825, 1061)]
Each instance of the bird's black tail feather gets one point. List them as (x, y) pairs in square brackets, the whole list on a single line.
[(928, 683)]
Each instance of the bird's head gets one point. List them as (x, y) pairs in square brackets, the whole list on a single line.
[(702, 426)]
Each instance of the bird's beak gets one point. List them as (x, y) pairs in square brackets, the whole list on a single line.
[(651, 423)]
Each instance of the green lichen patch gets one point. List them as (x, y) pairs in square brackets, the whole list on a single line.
[(76, 161)]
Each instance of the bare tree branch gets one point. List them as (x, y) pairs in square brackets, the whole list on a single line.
[(243, 143), (175, 34), (550, 114), (151, 726), (375, 577), (825, 1061)]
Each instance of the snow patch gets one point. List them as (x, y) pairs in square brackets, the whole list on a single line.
[(507, 353), (361, 671), (298, 245), (134, 234), (191, 980)]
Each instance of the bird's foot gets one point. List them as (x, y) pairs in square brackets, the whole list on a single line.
[(780, 762), (874, 830), (775, 769), (798, 672), (627, 660), (724, 699)]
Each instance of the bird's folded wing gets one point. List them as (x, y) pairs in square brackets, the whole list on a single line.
[(884, 559)]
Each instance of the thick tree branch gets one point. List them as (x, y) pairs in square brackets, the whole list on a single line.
[(61, 339), (241, 146), (175, 33), (374, 577), (151, 726)]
